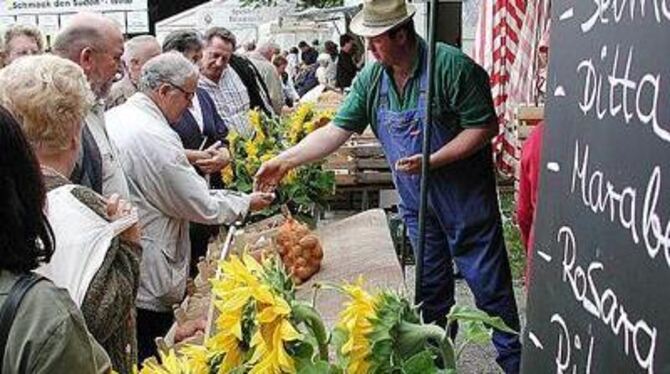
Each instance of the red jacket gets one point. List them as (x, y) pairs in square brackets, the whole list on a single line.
[(528, 188)]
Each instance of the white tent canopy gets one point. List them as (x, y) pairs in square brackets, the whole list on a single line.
[(244, 22)]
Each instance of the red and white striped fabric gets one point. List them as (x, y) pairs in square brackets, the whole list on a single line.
[(505, 45), (523, 76)]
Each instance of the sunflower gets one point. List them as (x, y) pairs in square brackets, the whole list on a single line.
[(256, 121), (356, 322), (274, 330), (231, 347), (232, 138), (239, 285), (196, 358), (268, 156), (291, 177), (170, 364), (297, 121), (328, 114), (310, 127), (228, 175), (251, 147), (244, 286)]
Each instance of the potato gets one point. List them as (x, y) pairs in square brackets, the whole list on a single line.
[(300, 250), (301, 231), (309, 241), (302, 272), (314, 263), (317, 252), (300, 262), (288, 260), (297, 251), (281, 250)]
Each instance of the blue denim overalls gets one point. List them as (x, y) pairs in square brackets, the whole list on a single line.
[(462, 222)]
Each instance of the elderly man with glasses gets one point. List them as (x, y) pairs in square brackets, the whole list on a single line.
[(95, 43), (203, 134), (166, 188)]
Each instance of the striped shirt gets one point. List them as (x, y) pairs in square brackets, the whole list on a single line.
[(232, 101)]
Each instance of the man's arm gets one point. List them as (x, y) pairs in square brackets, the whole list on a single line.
[(315, 146), (465, 144)]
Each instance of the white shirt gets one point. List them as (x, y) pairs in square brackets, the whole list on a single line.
[(293, 63), (196, 111), (168, 193), (232, 101), (113, 177)]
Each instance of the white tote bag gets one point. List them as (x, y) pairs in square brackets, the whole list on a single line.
[(82, 240)]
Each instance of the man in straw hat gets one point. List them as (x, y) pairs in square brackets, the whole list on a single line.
[(463, 220)]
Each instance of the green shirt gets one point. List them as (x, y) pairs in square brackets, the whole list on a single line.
[(49, 334), (461, 87)]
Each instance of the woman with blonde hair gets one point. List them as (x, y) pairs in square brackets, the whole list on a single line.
[(41, 329), (97, 250)]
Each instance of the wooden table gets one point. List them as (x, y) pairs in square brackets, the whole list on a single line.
[(358, 245)]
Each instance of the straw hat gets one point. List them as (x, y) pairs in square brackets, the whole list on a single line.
[(380, 16)]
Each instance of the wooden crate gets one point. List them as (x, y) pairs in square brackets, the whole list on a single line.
[(526, 118), (360, 162)]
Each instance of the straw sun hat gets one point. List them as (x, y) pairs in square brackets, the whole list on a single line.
[(380, 16)]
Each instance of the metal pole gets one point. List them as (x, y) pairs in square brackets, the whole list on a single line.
[(425, 167)]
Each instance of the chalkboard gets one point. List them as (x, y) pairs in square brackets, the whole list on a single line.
[(599, 297)]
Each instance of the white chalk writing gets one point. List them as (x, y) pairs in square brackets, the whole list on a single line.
[(627, 97), (601, 196), (615, 11), (564, 357), (605, 305)]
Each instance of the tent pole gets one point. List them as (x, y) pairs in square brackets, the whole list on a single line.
[(425, 167)]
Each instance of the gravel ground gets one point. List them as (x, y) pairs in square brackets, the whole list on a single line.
[(475, 359)]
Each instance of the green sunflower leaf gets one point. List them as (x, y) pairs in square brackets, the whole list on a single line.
[(476, 332), (462, 313), (420, 363)]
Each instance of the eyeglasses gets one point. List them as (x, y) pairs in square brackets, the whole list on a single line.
[(189, 95)]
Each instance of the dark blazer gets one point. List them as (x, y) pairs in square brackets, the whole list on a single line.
[(214, 129), (88, 169), (252, 80)]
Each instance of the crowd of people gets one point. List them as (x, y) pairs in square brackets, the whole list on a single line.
[(124, 142), (112, 152)]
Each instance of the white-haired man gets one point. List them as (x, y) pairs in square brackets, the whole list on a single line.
[(166, 188), (95, 43), (261, 57), (138, 51)]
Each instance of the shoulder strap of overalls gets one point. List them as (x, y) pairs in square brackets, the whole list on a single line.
[(423, 88), (384, 89), (11, 306)]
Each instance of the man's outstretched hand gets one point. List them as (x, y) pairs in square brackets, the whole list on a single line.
[(270, 174), (261, 200)]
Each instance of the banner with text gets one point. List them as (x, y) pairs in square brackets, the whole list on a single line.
[(17, 7)]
